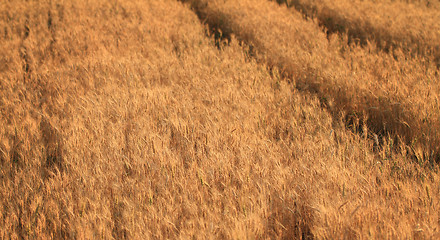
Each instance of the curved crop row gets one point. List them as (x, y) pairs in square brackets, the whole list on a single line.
[(399, 96), (389, 24)]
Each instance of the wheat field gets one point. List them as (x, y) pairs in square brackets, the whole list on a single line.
[(199, 119), (412, 27)]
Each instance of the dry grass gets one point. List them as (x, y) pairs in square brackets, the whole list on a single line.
[(124, 120), (413, 27)]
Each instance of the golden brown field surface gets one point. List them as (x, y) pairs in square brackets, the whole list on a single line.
[(398, 95), (413, 26), (209, 120)]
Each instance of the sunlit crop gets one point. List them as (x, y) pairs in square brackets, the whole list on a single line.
[(209, 120)]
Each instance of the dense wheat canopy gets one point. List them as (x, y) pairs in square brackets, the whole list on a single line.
[(169, 119), (413, 27), (399, 95)]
